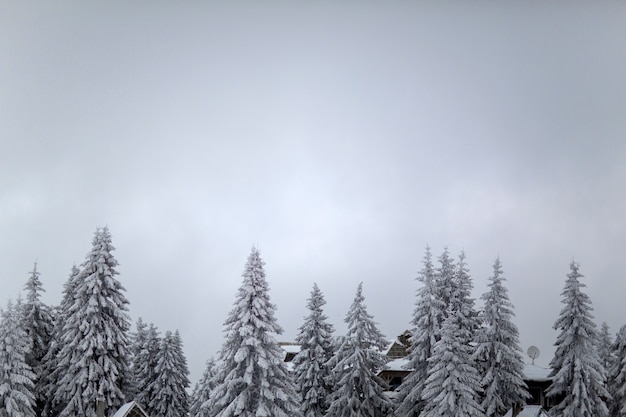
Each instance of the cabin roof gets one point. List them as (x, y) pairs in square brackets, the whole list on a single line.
[(290, 348), (529, 411), (536, 373), (397, 365), (131, 409)]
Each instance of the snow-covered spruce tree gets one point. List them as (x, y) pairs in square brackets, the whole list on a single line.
[(605, 350), (498, 354), (94, 341), (359, 392), (172, 381), (137, 342), (453, 384), (17, 385), (144, 371), (138, 339), (463, 303), (577, 372), (607, 358), (424, 335), (52, 371), (38, 323), (617, 376), (202, 390), (445, 286), (253, 380), (311, 368)]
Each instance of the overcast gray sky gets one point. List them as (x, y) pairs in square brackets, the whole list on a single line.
[(339, 138)]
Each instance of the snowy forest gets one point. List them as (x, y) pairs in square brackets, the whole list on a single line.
[(63, 360)]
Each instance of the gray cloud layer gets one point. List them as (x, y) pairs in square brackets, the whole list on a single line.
[(339, 138)]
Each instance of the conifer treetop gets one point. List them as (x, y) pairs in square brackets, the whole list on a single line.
[(311, 369), (361, 325), (37, 321), (202, 390), (358, 389), (498, 353), (171, 382), (253, 380), (94, 335), (16, 377), (253, 309), (617, 375), (453, 383), (33, 286), (604, 346), (426, 328), (576, 367)]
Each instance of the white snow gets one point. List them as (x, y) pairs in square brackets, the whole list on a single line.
[(397, 364), (125, 409), (290, 348), (536, 373), (529, 411)]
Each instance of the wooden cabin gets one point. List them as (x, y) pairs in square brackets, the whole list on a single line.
[(131, 409), (396, 352), (395, 371)]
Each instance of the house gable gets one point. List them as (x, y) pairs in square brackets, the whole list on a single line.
[(131, 409)]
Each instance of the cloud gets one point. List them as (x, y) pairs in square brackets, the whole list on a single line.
[(341, 140)]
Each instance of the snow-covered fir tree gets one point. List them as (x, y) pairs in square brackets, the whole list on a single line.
[(577, 372), (17, 385), (138, 339), (605, 349), (137, 342), (94, 348), (144, 369), (38, 323), (202, 390), (607, 358), (359, 391), (253, 380), (453, 384), (172, 380), (617, 376), (52, 370), (498, 354), (311, 370), (445, 285), (453, 286), (462, 301), (428, 308)]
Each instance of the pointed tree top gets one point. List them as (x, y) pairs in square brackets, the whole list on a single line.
[(33, 285), (254, 265)]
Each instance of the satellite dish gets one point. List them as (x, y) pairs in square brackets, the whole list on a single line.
[(533, 353)]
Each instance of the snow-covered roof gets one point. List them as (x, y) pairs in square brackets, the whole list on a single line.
[(290, 348), (536, 373), (395, 349), (396, 365), (529, 411), (125, 410)]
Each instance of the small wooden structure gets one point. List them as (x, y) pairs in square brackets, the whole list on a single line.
[(528, 411), (398, 349), (395, 370), (291, 350), (131, 409)]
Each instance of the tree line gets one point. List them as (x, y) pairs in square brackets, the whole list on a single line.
[(61, 361)]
